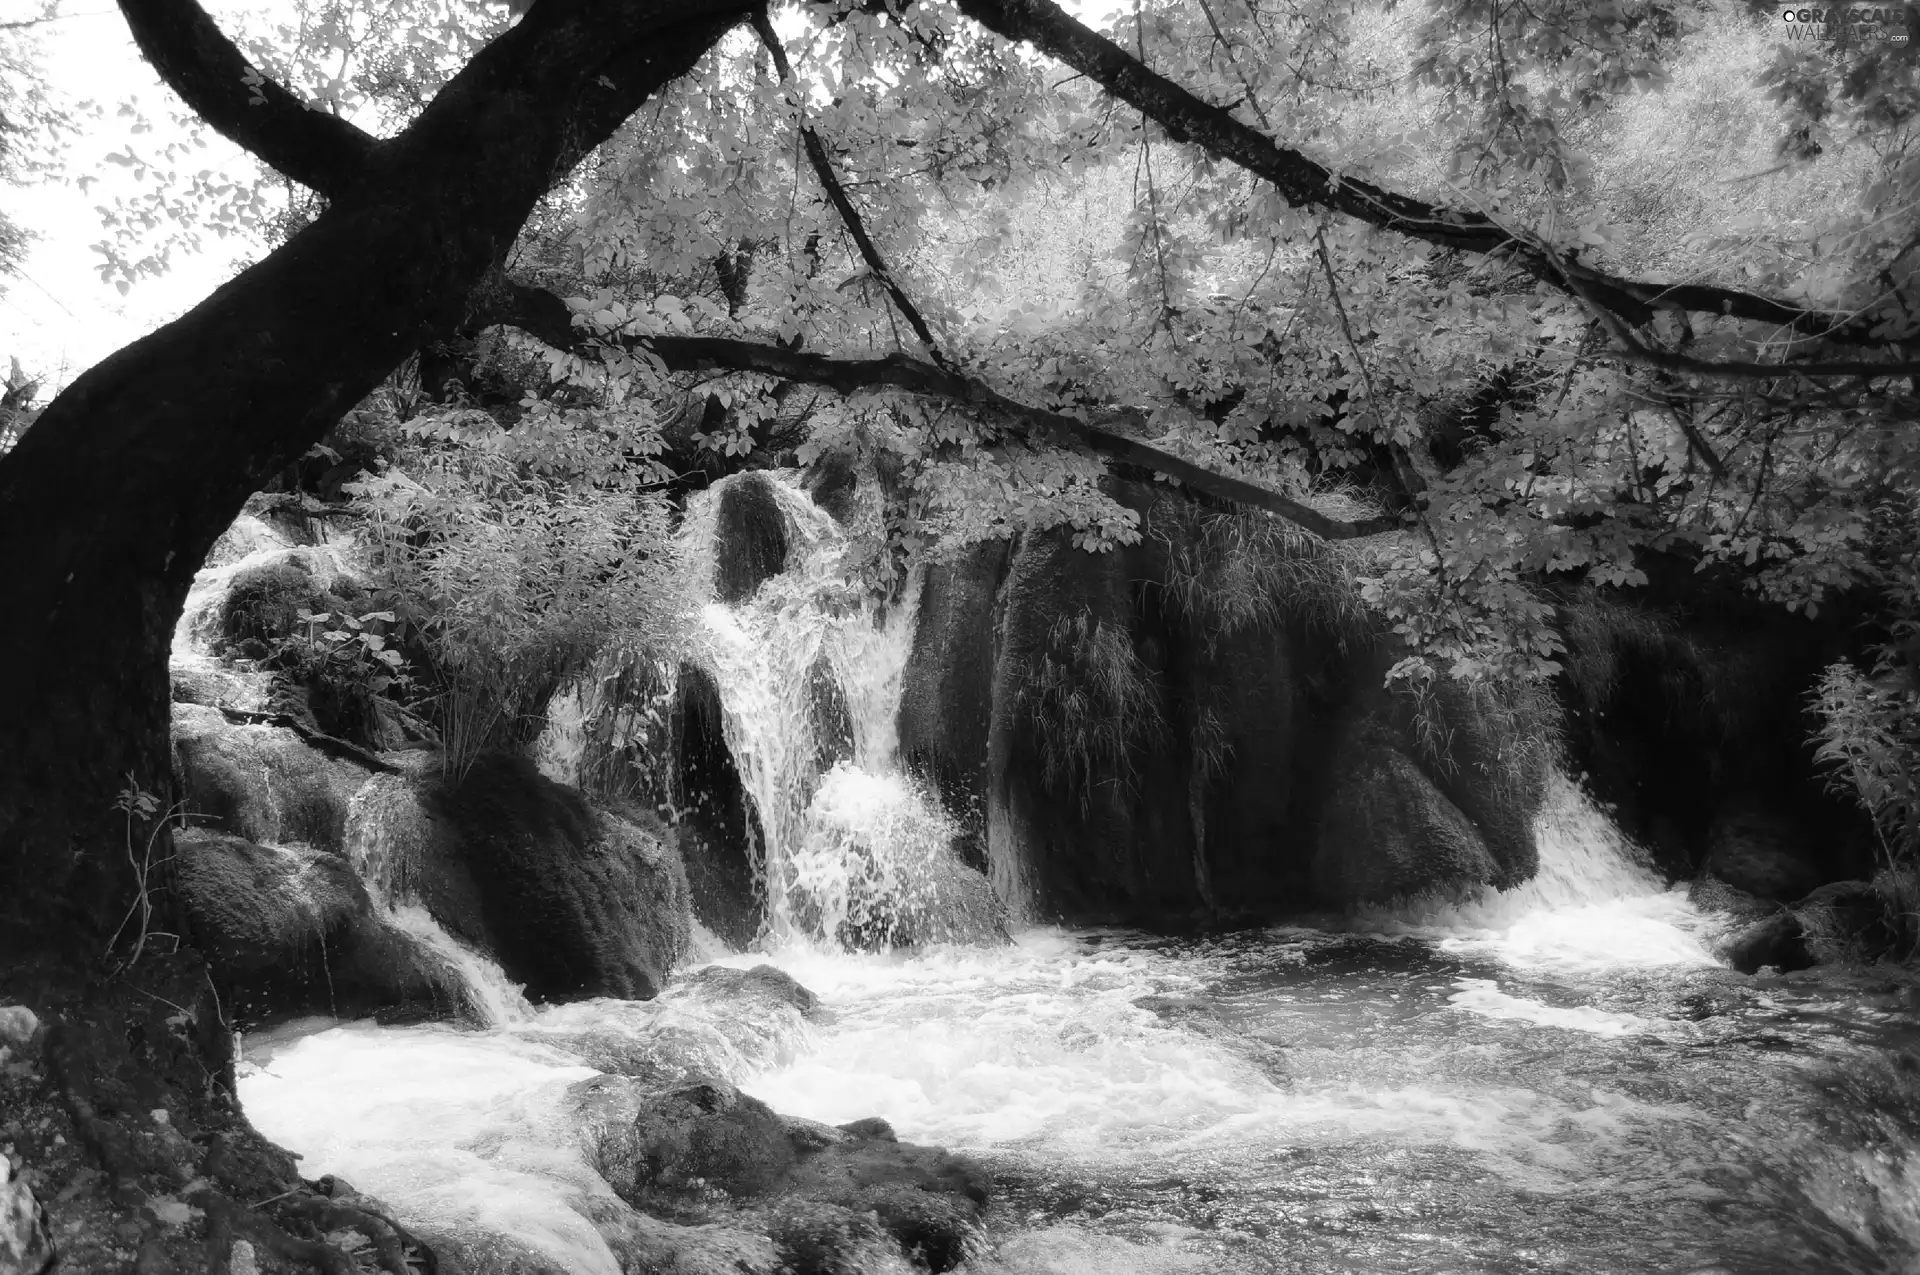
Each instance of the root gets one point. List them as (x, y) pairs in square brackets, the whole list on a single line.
[(227, 1222), (390, 1239)]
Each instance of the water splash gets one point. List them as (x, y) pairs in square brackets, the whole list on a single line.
[(386, 831), (868, 866), (847, 848), (1596, 901)]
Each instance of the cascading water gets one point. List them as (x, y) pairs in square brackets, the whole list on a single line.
[(1553, 1078), (852, 850)]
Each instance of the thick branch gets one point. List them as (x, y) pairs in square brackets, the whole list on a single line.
[(634, 71), (842, 204), (541, 314), (196, 60), (1306, 183), (900, 371)]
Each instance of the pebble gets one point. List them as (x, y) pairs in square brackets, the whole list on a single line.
[(17, 1026), (25, 1246)]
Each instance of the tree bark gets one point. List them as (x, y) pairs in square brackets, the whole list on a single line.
[(111, 502)]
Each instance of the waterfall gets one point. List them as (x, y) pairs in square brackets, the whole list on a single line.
[(1596, 900), (385, 830), (849, 843)]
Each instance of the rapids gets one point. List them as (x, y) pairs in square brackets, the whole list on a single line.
[(1555, 1078)]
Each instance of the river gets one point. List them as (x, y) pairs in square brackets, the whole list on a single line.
[(1556, 1079)]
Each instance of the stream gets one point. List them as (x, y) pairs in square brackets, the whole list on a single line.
[(1560, 1077), (1556, 1079)]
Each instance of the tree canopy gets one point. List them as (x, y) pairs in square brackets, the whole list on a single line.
[(1523, 289), (1505, 292)]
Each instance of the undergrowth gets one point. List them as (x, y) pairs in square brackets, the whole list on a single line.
[(1868, 741), (1093, 701), (515, 573), (1236, 571)]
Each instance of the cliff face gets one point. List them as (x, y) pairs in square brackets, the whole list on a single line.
[(1196, 725)]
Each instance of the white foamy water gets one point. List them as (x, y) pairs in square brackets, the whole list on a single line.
[(1596, 902), (1519, 1080), (843, 849)]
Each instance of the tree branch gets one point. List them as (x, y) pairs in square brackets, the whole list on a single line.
[(837, 195), (901, 371), (196, 60), (542, 314), (1305, 183)]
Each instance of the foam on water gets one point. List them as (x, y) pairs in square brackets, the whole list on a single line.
[(1596, 903), (462, 1131), (838, 848), (1483, 996)]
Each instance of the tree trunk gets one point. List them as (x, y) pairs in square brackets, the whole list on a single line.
[(109, 505)]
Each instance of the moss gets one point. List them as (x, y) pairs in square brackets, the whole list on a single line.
[(1093, 701), (262, 608), (1233, 571)]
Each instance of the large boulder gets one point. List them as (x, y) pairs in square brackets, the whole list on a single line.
[(575, 901), (1777, 941), (260, 782), (1387, 832), (829, 1198), (1856, 922), (1187, 727), (1758, 848), (750, 537), (290, 930)]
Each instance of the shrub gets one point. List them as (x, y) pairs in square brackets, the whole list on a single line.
[(517, 564), (1093, 701)]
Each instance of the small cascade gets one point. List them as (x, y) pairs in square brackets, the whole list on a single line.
[(848, 840), (1596, 900), (385, 828), (868, 865)]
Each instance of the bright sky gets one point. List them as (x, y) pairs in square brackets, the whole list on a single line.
[(59, 318)]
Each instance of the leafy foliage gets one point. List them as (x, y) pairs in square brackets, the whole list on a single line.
[(515, 560), (1093, 702), (1067, 254)]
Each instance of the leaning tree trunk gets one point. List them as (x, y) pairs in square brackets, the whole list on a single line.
[(111, 501), (110, 504)]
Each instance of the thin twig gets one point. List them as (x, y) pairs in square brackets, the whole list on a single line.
[(837, 195)]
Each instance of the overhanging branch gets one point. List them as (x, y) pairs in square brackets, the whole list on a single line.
[(196, 60), (916, 376), (1305, 183), (841, 201), (541, 314)]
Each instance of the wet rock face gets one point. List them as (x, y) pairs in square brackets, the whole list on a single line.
[(1196, 726), (1687, 700), (767, 984), (262, 783), (1387, 831), (717, 822), (290, 931), (715, 1160), (26, 1248), (577, 902), (1778, 941), (750, 536)]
